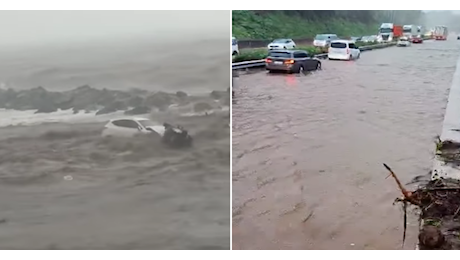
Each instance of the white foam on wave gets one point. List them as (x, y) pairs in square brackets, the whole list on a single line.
[(10, 117)]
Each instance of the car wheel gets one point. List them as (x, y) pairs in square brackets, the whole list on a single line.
[(350, 58), (235, 53), (301, 69), (359, 56), (318, 65)]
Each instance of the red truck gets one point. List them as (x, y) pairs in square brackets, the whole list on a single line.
[(440, 33), (397, 31)]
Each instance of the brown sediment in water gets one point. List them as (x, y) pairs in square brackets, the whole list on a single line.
[(439, 204)]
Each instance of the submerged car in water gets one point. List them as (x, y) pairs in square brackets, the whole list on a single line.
[(293, 61), (131, 127), (403, 42), (417, 39)]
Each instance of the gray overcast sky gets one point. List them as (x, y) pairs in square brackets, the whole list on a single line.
[(454, 11), (39, 27)]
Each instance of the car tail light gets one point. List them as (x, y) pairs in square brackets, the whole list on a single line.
[(268, 60), (289, 61), (348, 51)]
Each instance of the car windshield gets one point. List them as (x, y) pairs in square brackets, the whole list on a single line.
[(145, 123), (321, 37), (280, 40), (386, 30), (279, 54), (338, 45), (403, 39)]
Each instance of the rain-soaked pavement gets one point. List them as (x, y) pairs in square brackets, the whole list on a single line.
[(308, 150)]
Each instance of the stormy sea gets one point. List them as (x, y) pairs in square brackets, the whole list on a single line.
[(63, 186)]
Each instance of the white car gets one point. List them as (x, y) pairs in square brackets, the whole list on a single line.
[(323, 40), (281, 44), (130, 127), (235, 50), (343, 50), (372, 38), (403, 42)]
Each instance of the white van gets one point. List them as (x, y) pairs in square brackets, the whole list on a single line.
[(234, 46), (343, 50)]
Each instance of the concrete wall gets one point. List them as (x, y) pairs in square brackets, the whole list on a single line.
[(450, 127)]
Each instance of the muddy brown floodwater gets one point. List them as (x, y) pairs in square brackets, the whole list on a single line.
[(308, 150)]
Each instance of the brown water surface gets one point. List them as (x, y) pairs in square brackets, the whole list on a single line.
[(308, 150)]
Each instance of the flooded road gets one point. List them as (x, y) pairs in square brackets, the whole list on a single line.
[(308, 150)]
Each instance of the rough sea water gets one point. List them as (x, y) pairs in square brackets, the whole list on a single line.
[(64, 187)]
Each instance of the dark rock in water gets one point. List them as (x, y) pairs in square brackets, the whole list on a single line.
[(84, 96), (33, 99), (106, 98), (120, 105), (135, 101), (47, 108), (64, 102), (161, 100), (138, 92), (138, 110), (92, 108), (181, 94), (215, 94), (106, 110), (113, 107), (200, 107)]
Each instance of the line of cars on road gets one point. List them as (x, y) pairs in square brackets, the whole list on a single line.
[(407, 41), (283, 55), (299, 61)]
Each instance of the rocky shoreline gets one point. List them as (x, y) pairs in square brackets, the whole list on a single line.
[(104, 101)]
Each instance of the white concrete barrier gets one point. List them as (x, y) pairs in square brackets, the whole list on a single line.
[(450, 131)]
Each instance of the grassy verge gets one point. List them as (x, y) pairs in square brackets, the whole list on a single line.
[(248, 25), (259, 54)]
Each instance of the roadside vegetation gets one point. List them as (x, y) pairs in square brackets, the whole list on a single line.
[(268, 24)]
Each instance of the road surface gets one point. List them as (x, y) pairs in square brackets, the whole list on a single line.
[(308, 149)]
